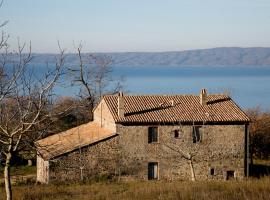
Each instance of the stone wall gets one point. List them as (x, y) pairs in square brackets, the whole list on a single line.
[(103, 116), (94, 160), (221, 148), (42, 170)]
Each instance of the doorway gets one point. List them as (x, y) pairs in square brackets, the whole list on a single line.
[(152, 171)]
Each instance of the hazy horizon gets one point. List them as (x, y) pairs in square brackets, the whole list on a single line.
[(136, 26), (161, 51)]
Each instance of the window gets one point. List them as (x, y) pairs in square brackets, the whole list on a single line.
[(152, 170), (196, 134), (177, 133), (152, 134), (230, 175), (212, 171)]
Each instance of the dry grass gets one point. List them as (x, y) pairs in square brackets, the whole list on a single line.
[(22, 170), (250, 189), (261, 162)]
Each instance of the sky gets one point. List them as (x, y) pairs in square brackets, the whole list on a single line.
[(136, 25)]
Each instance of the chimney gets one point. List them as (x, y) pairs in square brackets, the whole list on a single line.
[(203, 97), (121, 109)]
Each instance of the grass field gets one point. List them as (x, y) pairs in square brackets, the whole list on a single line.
[(246, 189), (19, 170)]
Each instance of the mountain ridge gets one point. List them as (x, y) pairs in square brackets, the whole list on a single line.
[(219, 56)]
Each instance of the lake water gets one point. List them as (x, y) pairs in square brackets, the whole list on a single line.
[(248, 86)]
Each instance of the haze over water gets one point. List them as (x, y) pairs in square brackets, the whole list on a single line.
[(248, 86)]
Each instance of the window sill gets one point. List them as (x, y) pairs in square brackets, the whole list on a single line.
[(154, 143)]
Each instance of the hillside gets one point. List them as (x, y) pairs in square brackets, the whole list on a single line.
[(224, 56)]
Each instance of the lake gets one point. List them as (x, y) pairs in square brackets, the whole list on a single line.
[(248, 86)]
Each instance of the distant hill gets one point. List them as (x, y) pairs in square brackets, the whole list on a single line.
[(223, 56)]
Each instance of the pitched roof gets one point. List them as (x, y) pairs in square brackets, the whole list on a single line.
[(185, 108), (71, 139)]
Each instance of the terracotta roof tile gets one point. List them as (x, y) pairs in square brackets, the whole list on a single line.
[(186, 108), (71, 139)]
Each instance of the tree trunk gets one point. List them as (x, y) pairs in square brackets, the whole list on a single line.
[(7, 177), (251, 159), (192, 171), (29, 162), (91, 110), (81, 170)]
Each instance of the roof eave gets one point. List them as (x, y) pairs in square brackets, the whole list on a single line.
[(183, 122)]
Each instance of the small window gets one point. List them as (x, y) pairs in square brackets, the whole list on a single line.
[(196, 134), (152, 134), (230, 175), (212, 171), (152, 170), (177, 133)]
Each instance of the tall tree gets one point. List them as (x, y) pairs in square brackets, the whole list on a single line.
[(24, 101), (93, 76)]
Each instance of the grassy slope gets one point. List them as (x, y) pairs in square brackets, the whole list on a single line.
[(251, 189)]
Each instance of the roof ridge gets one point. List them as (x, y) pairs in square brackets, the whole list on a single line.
[(165, 95), (146, 108)]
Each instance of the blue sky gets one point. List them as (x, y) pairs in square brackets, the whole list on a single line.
[(137, 25)]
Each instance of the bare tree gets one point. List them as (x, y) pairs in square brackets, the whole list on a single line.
[(193, 141), (6, 21), (93, 76), (190, 145), (23, 102)]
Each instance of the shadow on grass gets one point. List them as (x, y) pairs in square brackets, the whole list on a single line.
[(259, 170)]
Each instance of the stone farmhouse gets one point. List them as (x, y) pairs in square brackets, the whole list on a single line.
[(163, 137)]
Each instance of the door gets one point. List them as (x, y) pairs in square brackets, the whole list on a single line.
[(230, 175), (152, 170)]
